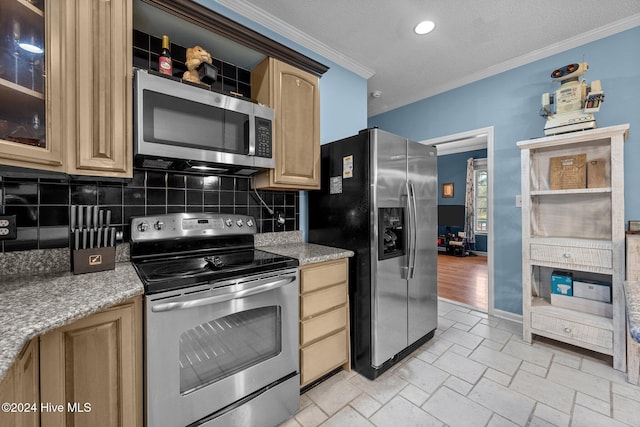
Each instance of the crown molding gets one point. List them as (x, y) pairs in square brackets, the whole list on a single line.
[(207, 19), (573, 42), (280, 27)]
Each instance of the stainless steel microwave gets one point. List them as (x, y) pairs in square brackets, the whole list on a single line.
[(179, 126)]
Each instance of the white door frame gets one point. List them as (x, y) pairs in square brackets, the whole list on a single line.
[(467, 141)]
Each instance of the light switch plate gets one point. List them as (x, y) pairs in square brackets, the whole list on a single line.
[(518, 200)]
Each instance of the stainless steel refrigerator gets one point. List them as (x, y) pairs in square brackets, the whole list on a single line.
[(379, 199)]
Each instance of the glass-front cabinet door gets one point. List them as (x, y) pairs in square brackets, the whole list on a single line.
[(27, 53), (65, 86)]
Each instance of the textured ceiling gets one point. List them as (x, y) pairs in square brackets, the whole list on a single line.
[(473, 39)]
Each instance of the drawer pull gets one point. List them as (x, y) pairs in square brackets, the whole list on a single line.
[(567, 330), (567, 255)]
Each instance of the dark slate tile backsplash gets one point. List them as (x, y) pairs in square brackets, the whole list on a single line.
[(231, 79), (42, 205)]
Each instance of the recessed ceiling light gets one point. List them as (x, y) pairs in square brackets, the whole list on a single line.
[(424, 27)]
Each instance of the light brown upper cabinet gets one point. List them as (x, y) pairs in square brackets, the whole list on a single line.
[(70, 106), (294, 96), (30, 113), (99, 70)]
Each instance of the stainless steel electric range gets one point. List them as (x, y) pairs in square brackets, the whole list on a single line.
[(221, 322)]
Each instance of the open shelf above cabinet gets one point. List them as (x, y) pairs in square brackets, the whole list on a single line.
[(189, 23)]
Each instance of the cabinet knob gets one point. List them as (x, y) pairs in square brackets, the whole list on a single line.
[(567, 255), (567, 330)]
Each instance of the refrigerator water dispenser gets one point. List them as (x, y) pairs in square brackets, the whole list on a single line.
[(391, 237)]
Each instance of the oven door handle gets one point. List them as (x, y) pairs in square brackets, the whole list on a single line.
[(198, 302)]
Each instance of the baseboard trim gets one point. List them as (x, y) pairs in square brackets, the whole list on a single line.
[(507, 315)]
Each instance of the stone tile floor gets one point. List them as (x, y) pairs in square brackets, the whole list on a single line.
[(477, 371)]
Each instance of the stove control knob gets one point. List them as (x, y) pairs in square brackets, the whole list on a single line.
[(228, 222), (142, 227), (159, 225), (249, 223), (239, 223)]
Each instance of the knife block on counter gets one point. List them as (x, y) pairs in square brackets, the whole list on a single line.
[(93, 260)]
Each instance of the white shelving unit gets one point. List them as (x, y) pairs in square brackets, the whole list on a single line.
[(577, 230)]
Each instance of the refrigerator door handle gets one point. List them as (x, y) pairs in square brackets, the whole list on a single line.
[(413, 227), (407, 266)]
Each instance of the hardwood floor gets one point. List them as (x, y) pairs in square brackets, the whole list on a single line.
[(463, 279)]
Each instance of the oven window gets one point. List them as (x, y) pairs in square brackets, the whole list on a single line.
[(181, 122), (227, 345)]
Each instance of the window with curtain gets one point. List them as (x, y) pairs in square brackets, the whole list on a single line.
[(481, 184)]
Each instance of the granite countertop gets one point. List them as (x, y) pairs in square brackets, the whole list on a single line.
[(31, 305), (39, 294), (632, 295), (290, 244)]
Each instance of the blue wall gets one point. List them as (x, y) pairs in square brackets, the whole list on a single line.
[(343, 95), (510, 102), (453, 168)]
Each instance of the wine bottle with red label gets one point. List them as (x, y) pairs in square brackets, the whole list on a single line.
[(165, 65)]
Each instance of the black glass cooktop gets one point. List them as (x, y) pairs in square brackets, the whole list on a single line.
[(162, 274)]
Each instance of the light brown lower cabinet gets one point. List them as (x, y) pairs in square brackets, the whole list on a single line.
[(20, 388), (90, 373), (324, 319)]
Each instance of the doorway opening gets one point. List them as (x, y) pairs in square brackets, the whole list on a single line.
[(467, 280)]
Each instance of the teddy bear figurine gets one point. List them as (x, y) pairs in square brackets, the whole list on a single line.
[(195, 56)]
